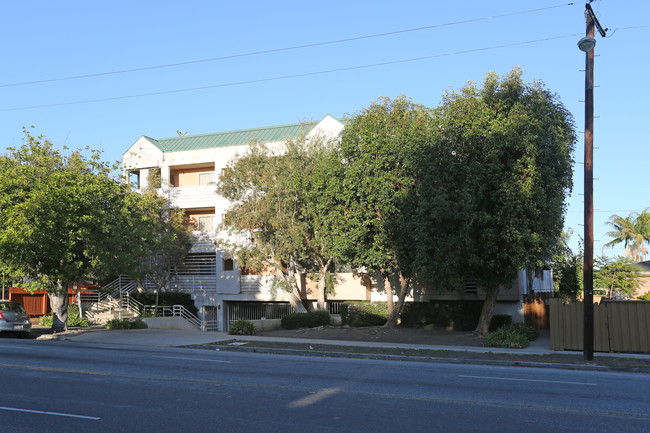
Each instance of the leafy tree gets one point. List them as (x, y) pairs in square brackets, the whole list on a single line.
[(494, 186), (169, 243), (64, 218), (568, 271), (618, 274), (273, 202), (378, 154), (632, 231)]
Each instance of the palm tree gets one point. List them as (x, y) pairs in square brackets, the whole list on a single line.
[(633, 231), (642, 227)]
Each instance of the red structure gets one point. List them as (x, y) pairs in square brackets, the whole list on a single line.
[(36, 303)]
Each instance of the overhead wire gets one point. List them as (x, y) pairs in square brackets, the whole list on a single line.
[(277, 50), (285, 77)]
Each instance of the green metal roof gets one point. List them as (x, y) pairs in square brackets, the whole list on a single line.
[(232, 138)]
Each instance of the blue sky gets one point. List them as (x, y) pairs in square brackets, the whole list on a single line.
[(457, 42)]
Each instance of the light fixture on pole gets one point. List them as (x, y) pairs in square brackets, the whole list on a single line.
[(587, 45)]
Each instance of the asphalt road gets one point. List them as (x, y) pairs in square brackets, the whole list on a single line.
[(67, 386)]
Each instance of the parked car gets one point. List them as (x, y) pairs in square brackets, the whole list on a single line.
[(14, 318)]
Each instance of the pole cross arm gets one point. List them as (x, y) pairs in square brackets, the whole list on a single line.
[(590, 11)]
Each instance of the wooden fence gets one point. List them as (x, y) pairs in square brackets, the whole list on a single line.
[(619, 326), (536, 311), (36, 303)]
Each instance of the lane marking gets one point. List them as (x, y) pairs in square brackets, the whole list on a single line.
[(192, 359), (529, 380), (40, 412), (430, 399), (59, 370)]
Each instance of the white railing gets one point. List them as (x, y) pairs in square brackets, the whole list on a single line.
[(209, 325), (192, 196), (131, 304), (174, 311), (256, 283), (125, 285)]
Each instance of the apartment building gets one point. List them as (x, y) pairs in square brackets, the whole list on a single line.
[(185, 170)]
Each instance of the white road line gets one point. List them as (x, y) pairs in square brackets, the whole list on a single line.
[(193, 359), (69, 415), (529, 380)]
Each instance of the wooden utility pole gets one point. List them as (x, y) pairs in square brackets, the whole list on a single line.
[(592, 21)]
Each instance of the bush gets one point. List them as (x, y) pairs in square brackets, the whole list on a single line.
[(132, 323), (242, 327), (364, 313), (527, 330), (305, 320), (499, 321), (512, 336), (460, 315), (74, 318)]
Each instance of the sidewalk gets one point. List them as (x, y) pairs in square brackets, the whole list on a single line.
[(179, 338)]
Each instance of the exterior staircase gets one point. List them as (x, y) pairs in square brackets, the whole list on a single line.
[(113, 301), (110, 302)]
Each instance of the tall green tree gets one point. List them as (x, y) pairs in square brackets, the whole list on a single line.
[(620, 274), (492, 197), (379, 153), (567, 269), (64, 217), (168, 242), (274, 204)]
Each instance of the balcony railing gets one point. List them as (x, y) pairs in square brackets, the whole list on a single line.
[(191, 196)]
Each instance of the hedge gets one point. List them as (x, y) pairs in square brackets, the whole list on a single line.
[(305, 320), (364, 313), (167, 299), (459, 315)]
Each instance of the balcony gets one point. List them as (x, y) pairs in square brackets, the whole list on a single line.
[(191, 196)]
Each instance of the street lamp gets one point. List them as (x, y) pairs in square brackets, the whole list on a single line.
[(587, 45)]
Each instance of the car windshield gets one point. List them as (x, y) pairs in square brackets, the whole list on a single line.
[(12, 307)]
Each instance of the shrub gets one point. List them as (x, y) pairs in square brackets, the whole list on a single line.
[(305, 320), (527, 330), (132, 323), (364, 313), (74, 318), (243, 327), (512, 336), (499, 321), (460, 315)]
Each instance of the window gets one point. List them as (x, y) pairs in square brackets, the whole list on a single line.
[(206, 223), (471, 288), (205, 179), (134, 179), (228, 264)]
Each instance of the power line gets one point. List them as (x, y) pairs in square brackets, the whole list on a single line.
[(277, 50), (286, 77)]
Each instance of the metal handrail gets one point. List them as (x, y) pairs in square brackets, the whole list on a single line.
[(132, 304), (176, 311), (180, 311)]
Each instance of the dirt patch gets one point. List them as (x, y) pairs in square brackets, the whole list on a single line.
[(433, 336)]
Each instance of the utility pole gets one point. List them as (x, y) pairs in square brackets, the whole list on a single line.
[(587, 45)]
